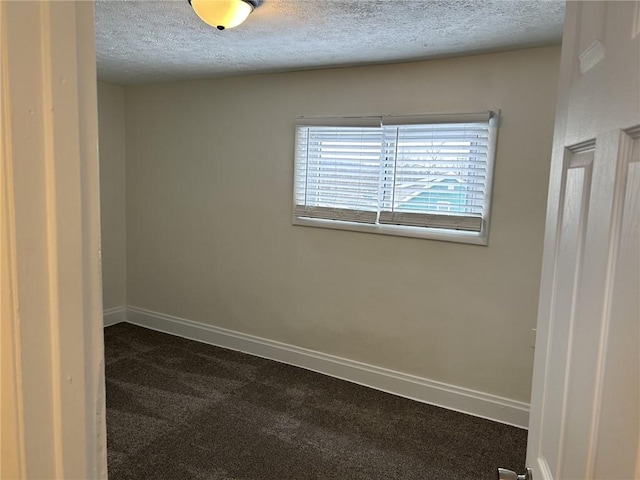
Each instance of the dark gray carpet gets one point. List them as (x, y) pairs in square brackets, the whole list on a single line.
[(179, 410)]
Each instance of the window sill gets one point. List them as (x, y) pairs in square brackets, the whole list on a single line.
[(439, 234)]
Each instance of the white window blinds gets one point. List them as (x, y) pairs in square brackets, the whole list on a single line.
[(338, 172), (429, 171)]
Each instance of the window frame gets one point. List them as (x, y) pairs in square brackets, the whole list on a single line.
[(422, 232)]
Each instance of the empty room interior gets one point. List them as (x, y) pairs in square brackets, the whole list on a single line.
[(324, 340), (320, 240)]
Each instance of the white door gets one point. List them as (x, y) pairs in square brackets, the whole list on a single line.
[(585, 408)]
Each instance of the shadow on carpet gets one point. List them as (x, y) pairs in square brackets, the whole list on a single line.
[(179, 409)]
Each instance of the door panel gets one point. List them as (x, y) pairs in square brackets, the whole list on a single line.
[(574, 209), (619, 413), (585, 409)]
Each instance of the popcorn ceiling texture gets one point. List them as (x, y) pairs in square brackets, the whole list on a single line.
[(140, 41)]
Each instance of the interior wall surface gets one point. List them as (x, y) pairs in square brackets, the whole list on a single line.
[(112, 194), (210, 239)]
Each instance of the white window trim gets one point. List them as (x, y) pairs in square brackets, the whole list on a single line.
[(439, 234), (456, 236)]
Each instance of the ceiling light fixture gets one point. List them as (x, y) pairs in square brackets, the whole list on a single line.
[(224, 13)]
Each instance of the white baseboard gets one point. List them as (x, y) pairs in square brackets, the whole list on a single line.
[(460, 399), (111, 316)]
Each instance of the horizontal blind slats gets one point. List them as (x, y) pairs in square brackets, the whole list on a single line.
[(453, 222), (424, 171), (340, 170), (418, 154), (438, 175), (436, 178), (332, 164), (343, 214), (340, 198)]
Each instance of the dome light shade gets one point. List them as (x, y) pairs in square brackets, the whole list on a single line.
[(223, 14)]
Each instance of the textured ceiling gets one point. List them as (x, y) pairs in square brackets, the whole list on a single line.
[(156, 41)]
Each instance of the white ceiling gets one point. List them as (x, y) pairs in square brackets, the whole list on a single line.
[(156, 41)]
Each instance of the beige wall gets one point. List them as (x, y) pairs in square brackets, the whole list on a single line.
[(209, 234), (112, 194)]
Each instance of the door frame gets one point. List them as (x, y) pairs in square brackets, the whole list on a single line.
[(53, 399)]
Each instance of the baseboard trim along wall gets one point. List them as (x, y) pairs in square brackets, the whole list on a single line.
[(460, 399), (111, 316)]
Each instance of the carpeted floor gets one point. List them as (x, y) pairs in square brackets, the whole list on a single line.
[(179, 410)]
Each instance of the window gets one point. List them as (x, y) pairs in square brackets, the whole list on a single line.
[(425, 176)]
